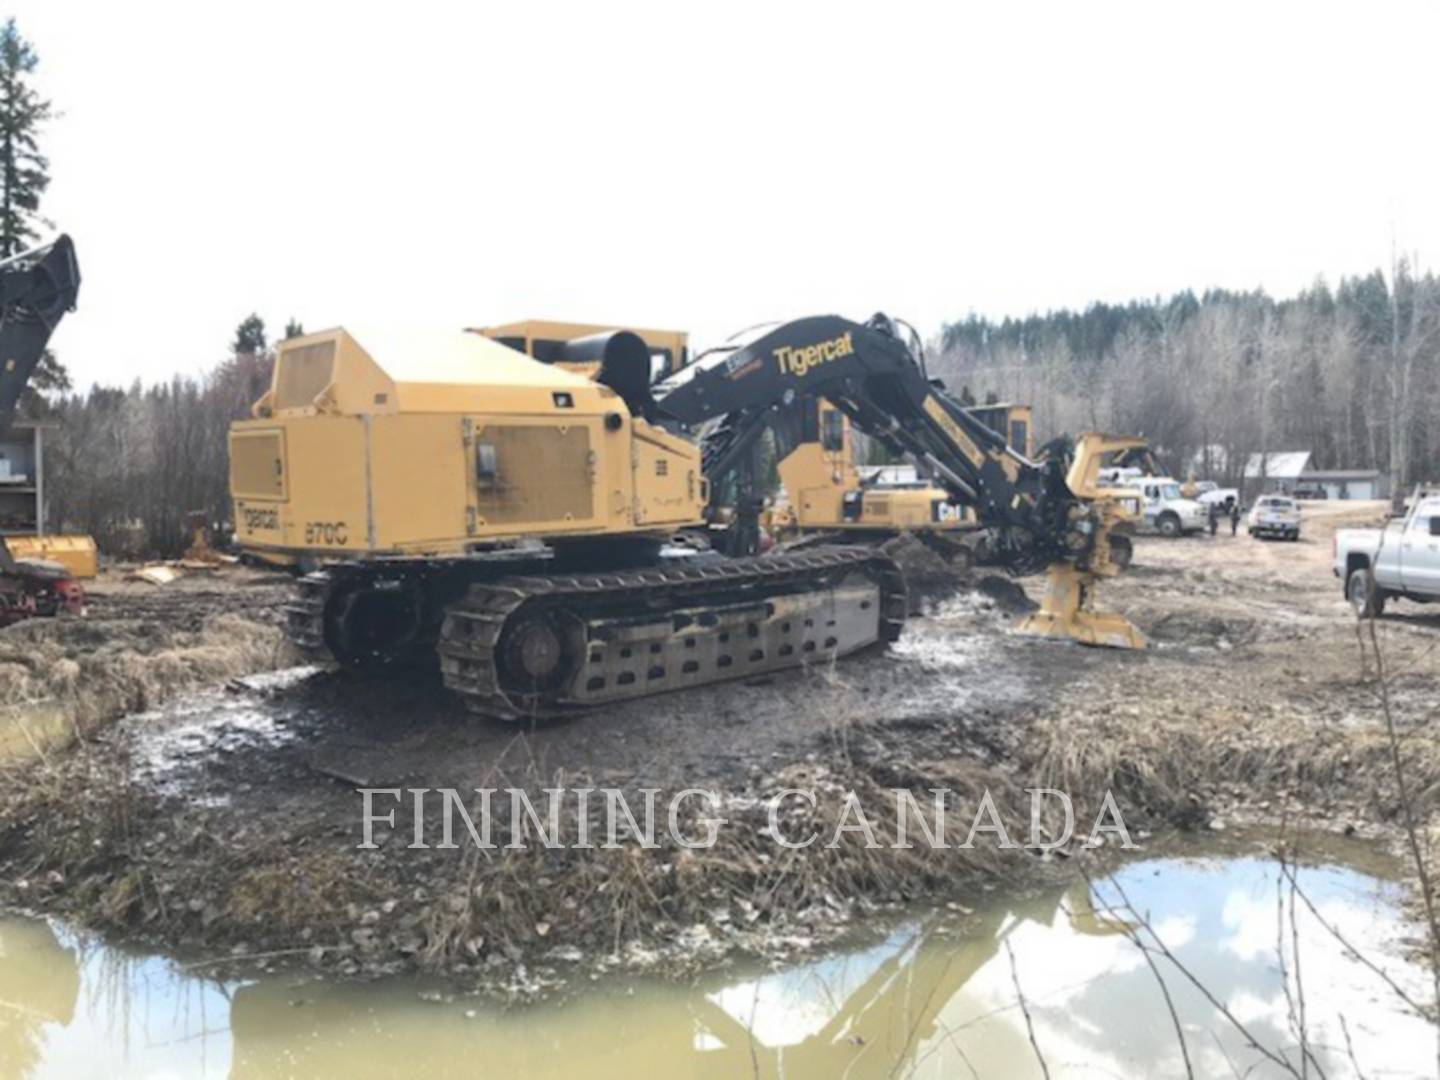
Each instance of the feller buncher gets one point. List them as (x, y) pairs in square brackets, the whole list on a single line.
[(515, 515)]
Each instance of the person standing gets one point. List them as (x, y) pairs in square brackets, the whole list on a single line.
[(1212, 516), (1234, 516)]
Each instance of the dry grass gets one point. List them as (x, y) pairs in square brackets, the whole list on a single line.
[(90, 674), (1164, 764), (125, 859)]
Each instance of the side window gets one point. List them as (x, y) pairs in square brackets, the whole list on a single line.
[(545, 351), (833, 433), (1018, 436), (810, 420)]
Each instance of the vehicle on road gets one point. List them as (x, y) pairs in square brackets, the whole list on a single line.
[(1224, 498), (1402, 559), (1274, 516), (1166, 511), (1310, 491)]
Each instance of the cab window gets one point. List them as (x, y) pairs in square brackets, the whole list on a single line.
[(832, 430), (1427, 510), (1019, 436), (810, 421)]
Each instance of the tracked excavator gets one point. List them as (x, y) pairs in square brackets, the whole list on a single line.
[(37, 288), (516, 517)]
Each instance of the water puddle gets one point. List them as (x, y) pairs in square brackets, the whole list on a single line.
[(930, 1000), (179, 739)]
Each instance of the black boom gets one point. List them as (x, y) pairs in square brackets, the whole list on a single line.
[(871, 374), (37, 288)]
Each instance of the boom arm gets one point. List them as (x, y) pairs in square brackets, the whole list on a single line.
[(37, 288), (1047, 514), (870, 373)]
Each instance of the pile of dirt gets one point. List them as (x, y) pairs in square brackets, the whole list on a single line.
[(929, 578), (1006, 593)]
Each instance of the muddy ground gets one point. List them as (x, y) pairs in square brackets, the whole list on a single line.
[(138, 646), (228, 822)]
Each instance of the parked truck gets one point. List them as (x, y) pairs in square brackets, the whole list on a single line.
[(1402, 559), (1165, 510)]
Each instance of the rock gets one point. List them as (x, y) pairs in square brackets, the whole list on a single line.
[(1216, 825), (370, 918)]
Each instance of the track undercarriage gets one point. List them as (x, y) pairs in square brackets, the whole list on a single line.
[(517, 640)]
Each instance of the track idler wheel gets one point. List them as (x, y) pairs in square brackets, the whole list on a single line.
[(374, 626), (536, 654)]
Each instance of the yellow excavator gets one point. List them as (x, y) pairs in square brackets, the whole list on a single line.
[(829, 498), (515, 516)]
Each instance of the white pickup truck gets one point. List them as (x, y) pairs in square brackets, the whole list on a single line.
[(1164, 509), (1400, 560)]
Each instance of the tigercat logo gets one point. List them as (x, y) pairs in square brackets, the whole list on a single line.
[(799, 361), (257, 520)]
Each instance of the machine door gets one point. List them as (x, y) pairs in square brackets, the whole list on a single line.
[(1420, 551)]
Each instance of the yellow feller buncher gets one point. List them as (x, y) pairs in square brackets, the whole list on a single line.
[(511, 507)]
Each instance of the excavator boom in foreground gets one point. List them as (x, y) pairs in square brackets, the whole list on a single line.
[(517, 518), (37, 288)]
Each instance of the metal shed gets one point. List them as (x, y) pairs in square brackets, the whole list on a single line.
[(1279, 470), (1349, 483)]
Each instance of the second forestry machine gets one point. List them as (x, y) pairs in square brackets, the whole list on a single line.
[(517, 514)]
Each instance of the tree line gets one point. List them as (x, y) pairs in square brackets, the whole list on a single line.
[(1350, 373)]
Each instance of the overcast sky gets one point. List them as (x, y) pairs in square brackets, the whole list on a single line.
[(712, 166)]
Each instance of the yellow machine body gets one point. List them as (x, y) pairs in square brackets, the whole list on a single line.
[(827, 491), (1013, 421), (76, 553), (444, 445)]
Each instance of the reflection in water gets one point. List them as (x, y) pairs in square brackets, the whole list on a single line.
[(923, 1002)]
